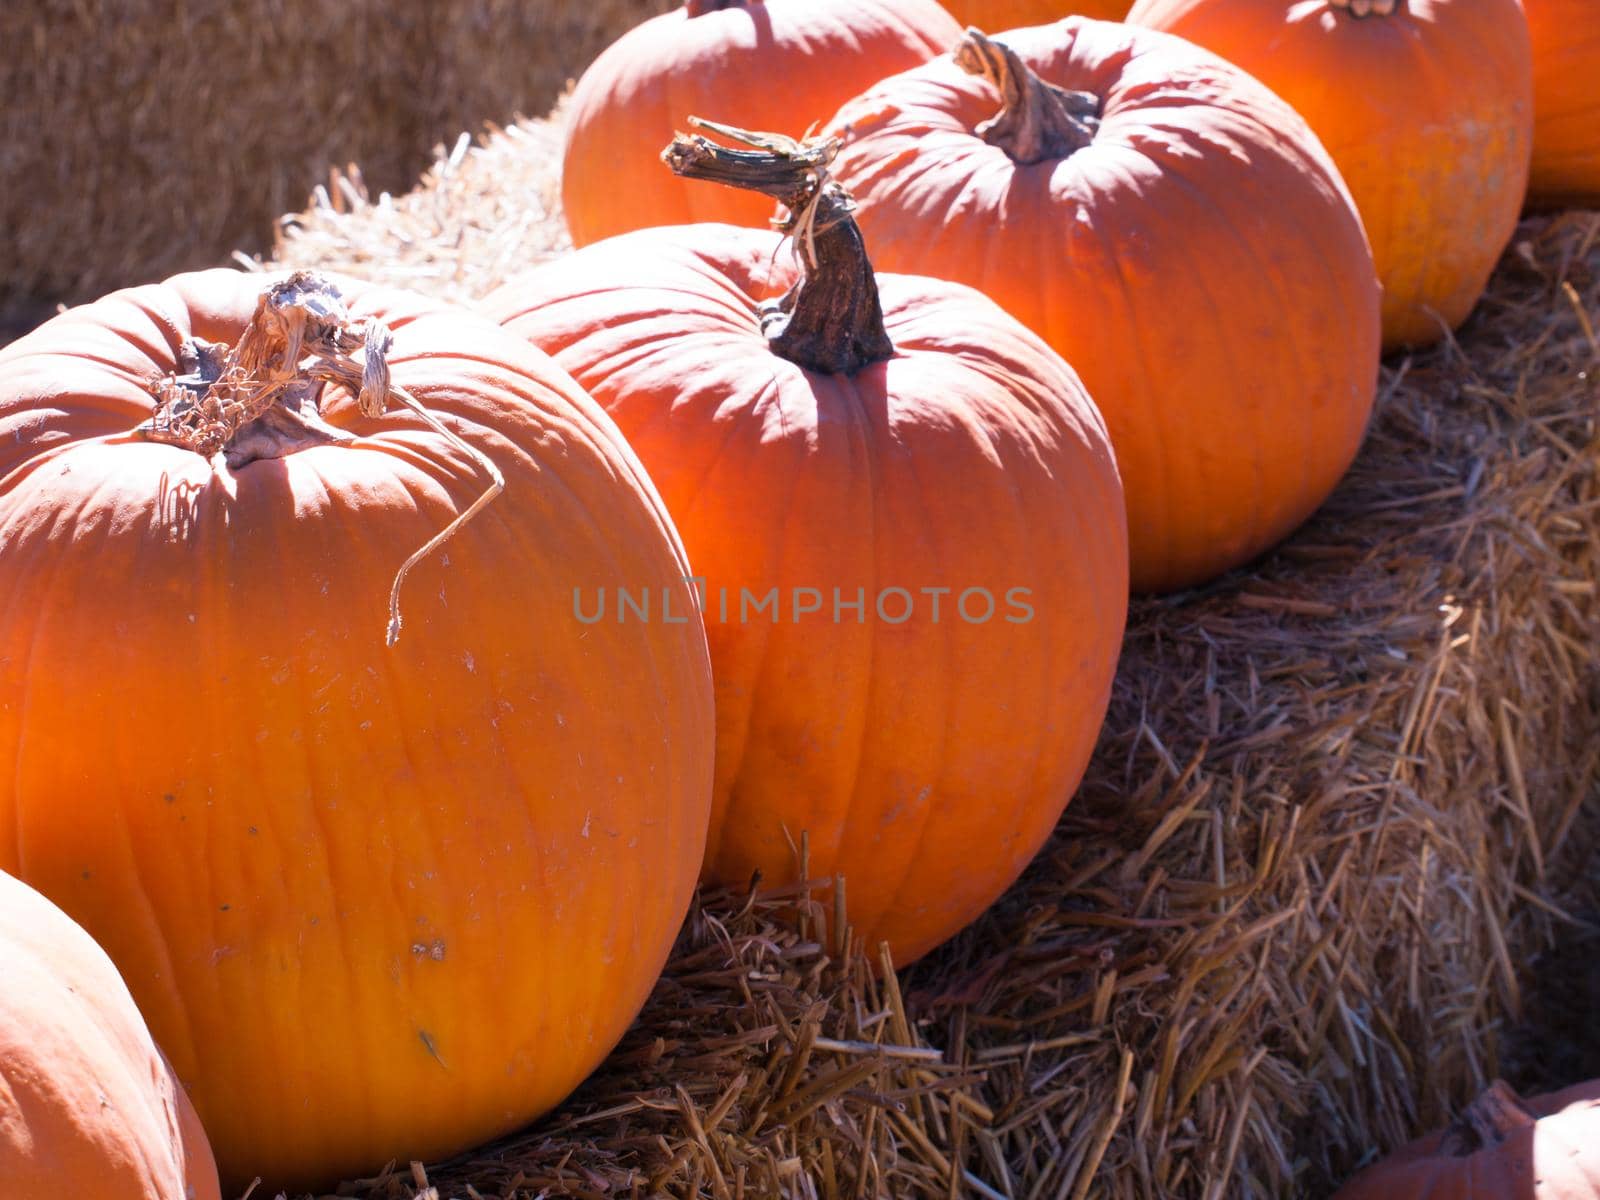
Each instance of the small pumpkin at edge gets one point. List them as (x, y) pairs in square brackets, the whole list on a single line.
[(782, 64), (1427, 108), (1500, 1148), (89, 1107)]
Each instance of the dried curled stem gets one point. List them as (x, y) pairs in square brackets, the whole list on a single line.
[(262, 398), (1368, 8), (831, 320), (1038, 120), (1489, 1120)]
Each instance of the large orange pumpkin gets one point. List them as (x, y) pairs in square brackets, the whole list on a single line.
[(926, 495), (375, 902), (1010, 14), (779, 64), (1428, 112), (1501, 1148), (1566, 101), (88, 1107), (1175, 231)]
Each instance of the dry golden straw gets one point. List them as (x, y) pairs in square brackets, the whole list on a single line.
[(143, 137)]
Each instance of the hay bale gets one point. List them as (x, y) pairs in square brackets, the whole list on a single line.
[(142, 137), (1336, 808)]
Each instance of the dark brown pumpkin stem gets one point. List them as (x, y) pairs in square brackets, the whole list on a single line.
[(1039, 120), (1368, 8), (831, 320), (1487, 1121), (262, 398), (699, 8)]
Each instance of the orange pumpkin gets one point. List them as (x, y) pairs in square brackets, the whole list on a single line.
[(1175, 231), (925, 494), (89, 1109), (782, 64), (1500, 1149), (1566, 102), (1428, 112), (1011, 14), (375, 902)]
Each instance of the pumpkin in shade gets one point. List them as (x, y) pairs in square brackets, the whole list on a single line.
[(1566, 102), (1427, 108), (375, 902), (923, 492), (1009, 14), (1175, 231), (785, 64), (1501, 1148), (89, 1109)]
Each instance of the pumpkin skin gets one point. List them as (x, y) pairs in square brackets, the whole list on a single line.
[(1549, 1152), (1566, 102), (926, 761), (995, 15), (374, 902), (1428, 113), (88, 1107), (1199, 263), (718, 63)]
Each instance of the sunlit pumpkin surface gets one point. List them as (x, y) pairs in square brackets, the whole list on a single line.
[(1198, 262), (925, 755), (1427, 111), (375, 902), (777, 65), (993, 16), (1566, 97), (88, 1108)]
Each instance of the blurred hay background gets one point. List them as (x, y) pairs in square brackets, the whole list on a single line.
[(1344, 801), (142, 137)]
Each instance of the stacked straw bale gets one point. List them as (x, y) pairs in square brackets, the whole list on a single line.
[(142, 137), (1340, 802)]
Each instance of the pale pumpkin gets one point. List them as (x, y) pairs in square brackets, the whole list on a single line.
[(778, 64), (1427, 109), (375, 902), (89, 1109), (1169, 226), (926, 493), (1500, 1148), (1566, 102)]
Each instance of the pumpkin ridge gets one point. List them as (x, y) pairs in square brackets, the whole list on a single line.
[(926, 804), (898, 17), (1147, 391), (1218, 228), (1427, 265), (760, 681), (860, 417), (1266, 271)]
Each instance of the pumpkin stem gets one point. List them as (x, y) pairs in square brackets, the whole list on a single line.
[(262, 398), (1367, 8), (699, 8), (831, 320), (1039, 120), (1487, 1121)]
